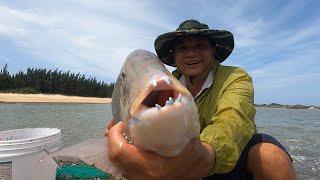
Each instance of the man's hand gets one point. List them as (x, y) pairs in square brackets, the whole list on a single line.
[(110, 125), (194, 162)]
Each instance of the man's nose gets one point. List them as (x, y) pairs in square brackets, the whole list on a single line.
[(191, 51)]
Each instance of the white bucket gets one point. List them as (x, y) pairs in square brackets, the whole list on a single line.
[(21, 150)]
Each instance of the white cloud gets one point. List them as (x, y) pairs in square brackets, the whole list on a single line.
[(85, 36), (278, 47)]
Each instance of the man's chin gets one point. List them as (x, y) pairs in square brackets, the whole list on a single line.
[(192, 76)]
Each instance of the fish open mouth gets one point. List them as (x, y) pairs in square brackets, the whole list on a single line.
[(158, 97), (160, 93)]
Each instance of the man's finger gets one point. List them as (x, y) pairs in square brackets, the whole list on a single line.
[(111, 124), (115, 136)]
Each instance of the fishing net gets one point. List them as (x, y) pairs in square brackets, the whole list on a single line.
[(82, 171)]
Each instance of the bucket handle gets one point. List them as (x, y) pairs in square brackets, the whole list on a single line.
[(44, 148)]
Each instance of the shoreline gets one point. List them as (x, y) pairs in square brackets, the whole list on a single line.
[(50, 98), (297, 106), (8, 98)]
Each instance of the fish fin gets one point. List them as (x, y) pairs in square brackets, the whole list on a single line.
[(93, 152)]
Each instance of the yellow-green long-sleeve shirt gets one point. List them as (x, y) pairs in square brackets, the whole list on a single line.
[(226, 115)]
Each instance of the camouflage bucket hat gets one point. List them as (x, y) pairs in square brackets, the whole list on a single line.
[(223, 40)]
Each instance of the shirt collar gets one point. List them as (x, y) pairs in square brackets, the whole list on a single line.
[(205, 85)]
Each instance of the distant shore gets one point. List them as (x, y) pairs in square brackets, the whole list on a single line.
[(297, 106), (49, 98)]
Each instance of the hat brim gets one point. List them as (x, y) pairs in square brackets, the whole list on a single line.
[(224, 40)]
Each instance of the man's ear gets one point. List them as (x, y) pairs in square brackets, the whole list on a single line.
[(172, 57), (214, 50)]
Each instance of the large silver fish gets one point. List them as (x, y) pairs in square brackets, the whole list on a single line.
[(158, 114)]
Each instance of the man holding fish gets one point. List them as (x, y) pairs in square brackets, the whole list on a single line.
[(228, 146)]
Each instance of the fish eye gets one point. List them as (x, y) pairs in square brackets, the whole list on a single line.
[(123, 75)]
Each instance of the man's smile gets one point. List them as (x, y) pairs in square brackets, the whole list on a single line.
[(193, 62)]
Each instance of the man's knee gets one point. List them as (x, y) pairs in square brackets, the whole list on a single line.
[(269, 154), (268, 160)]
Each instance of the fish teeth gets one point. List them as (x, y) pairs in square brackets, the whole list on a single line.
[(154, 82), (179, 99), (166, 79), (158, 106), (170, 101)]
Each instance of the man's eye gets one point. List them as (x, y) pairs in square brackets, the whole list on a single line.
[(202, 46), (180, 49)]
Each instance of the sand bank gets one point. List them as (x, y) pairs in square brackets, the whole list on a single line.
[(45, 98)]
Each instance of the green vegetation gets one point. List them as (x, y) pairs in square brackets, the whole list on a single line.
[(53, 82), (297, 106)]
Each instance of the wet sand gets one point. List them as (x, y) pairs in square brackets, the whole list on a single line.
[(48, 98)]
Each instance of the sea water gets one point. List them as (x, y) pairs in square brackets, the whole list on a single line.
[(297, 129)]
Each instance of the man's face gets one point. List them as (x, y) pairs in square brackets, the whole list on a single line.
[(193, 55)]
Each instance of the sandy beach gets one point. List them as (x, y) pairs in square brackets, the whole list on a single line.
[(46, 98)]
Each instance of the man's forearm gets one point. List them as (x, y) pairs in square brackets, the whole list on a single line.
[(206, 160), (209, 159)]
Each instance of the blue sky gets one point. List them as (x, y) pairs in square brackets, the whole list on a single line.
[(276, 42)]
